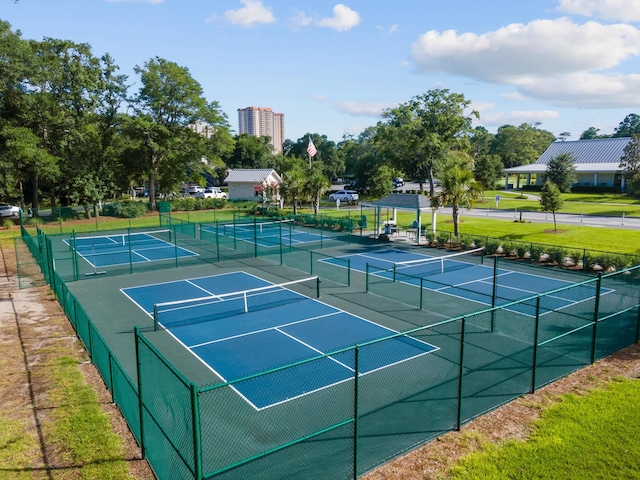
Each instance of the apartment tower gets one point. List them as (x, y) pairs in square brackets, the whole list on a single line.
[(262, 122)]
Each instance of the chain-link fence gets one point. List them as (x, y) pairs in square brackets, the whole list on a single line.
[(480, 360)]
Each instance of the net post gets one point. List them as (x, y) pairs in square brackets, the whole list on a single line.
[(246, 305), (494, 293), (255, 237), (130, 253), (155, 318), (318, 287), (421, 291), (594, 338), (535, 346), (366, 289)]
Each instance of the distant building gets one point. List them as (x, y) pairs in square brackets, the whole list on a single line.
[(597, 164), (262, 122), (249, 184)]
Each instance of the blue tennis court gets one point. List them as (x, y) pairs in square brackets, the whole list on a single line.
[(267, 234), (123, 249), (466, 278), (240, 333)]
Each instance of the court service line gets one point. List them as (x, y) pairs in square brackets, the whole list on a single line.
[(262, 330)]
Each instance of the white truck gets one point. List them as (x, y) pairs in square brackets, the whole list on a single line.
[(211, 192), (349, 196)]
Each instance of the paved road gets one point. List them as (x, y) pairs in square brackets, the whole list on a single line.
[(561, 218)]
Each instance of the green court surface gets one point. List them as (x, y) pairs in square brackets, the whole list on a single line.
[(194, 425)]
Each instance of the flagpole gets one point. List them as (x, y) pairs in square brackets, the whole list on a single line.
[(309, 153)]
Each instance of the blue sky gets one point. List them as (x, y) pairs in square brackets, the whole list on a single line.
[(332, 67)]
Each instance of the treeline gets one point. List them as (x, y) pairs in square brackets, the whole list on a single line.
[(73, 131)]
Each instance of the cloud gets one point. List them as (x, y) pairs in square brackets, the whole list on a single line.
[(619, 10), (364, 109), (300, 19), (555, 60), (343, 19), (252, 12), (517, 117), (512, 95)]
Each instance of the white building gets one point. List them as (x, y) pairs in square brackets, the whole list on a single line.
[(248, 184), (262, 122), (597, 164)]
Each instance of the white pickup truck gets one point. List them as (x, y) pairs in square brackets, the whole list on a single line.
[(211, 192), (349, 196)]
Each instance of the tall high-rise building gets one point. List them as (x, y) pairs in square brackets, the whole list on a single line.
[(262, 122)]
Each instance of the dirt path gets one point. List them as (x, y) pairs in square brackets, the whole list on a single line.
[(35, 334)]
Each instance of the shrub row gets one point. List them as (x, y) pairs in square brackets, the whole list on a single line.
[(544, 254)]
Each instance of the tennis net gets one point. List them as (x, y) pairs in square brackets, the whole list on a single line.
[(446, 263), (249, 229), (197, 310)]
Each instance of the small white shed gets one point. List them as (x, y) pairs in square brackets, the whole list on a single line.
[(248, 184)]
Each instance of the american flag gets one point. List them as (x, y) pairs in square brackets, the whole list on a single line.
[(311, 149)]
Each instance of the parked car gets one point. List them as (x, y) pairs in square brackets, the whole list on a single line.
[(398, 182), (193, 190), (9, 211), (211, 192), (350, 196)]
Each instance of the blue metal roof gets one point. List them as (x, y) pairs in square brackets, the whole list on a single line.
[(600, 150)]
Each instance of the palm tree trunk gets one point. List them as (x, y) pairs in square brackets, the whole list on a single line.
[(456, 219)]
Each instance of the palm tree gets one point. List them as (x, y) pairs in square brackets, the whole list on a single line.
[(316, 184), (293, 186), (459, 189)]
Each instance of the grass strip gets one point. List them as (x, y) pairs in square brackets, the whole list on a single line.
[(591, 436), (80, 429)]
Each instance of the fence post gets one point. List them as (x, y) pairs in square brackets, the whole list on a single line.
[(494, 293), (348, 272), (594, 338), (255, 236), (535, 346), (421, 292), (356, 395), (195, 420), (143, 450), (460, 374)]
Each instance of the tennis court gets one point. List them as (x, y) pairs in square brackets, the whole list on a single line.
[(237, 333), (464, 275), (123, 249), (267, 234)]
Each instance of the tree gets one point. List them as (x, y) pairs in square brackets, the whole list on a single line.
[(592, 133), (458, 189), (250, 151), (168, 101), (381, 184), (418, 135), (630, 162), (561, 171), (316, 184), (628, 127), (550, 200), (488, 170), (521, 145), (293, 183)]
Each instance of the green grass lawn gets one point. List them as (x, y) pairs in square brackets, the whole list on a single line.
[(583, 437)]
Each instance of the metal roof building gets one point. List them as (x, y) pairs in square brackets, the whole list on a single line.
[(597, 163)]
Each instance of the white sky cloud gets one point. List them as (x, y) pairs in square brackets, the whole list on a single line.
[(251, 13), (498, 119), (556, 60), (343, 19), (622, 10), (364, 109), (300, 19)]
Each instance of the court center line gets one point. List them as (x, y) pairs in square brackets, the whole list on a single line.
[(262, 330), (203, 289), (314, 349)]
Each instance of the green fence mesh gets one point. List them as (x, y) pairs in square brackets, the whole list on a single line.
[(481, 359)]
